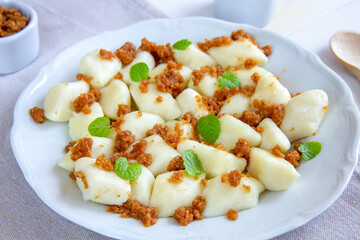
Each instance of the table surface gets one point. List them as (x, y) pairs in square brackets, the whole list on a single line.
[(307, 22)]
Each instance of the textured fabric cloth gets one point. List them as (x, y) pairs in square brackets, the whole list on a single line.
[(64, 22)]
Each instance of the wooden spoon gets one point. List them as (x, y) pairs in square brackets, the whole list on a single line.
[(345, 45)]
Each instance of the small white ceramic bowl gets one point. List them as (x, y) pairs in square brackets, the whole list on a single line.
[(21, 48)]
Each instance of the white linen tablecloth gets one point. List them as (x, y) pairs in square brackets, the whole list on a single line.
[(63, 22)]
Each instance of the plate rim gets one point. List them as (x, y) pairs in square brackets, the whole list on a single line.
[(352, 156)]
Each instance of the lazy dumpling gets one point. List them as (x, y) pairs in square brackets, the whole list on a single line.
[(232, 129), (222, 196), (304, 113), (214, 161), (250, 77), (154, 101), (101, 65), (193, 57), (141, 56), (172, 191), (58, 104), (99, 185), (205, 80), (138, 123), (186, 129), (161, 154), (79, 123), (274, 172), (236, 53), (272, 136), (141, 188), (237, 104), (173, 71), (270, 91), (191, 101), (115, 93), (99, 146)]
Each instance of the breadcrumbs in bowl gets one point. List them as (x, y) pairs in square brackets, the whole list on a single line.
[(12, 21), (19, 36)]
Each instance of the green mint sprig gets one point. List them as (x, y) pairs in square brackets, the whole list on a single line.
[(192, 163), (139, 71), (127, 171), (209, 128), (229, 80), (309, 150), (100, 127), (182, 44)]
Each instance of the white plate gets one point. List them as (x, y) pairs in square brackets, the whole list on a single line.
[(38, 148)]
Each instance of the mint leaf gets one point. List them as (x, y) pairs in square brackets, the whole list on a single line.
[(229, 80), (139, 71), (182, 44), (309, 150), (100, 127), (209, 127), (127, 171), (192, 163)]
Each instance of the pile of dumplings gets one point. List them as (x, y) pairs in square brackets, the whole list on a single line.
[(302, 116)]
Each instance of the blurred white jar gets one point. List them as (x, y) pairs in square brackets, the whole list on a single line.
[(253, 12)]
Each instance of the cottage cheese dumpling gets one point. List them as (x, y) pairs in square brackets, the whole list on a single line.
[(247, 77), (79, 123), (154, 101), (207, 85), (193, 57), (270, 90), (138, 123), (161, 154), (159, 69), (168, 196), (115, 93), (99, 146), (141, 56), (102, 186), (221, 196), (141, 188), (214, 161), (272, 136), (237, 104), (237, 53), (232, 129), (101, 70), (190, 101), (184, 71), (275, 173), (186, 128), (304, 113), (58, 104)]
